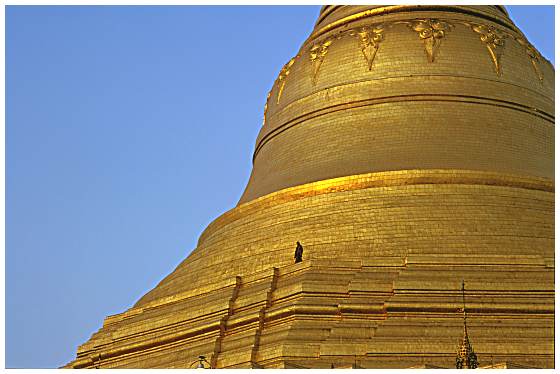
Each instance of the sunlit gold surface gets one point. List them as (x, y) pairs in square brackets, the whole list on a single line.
[(406, 148)]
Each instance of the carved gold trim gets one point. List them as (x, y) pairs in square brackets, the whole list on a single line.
[(317, 54), (282, 77), (431, 31), (266, 107), (494, 40), (370, 37), (534, 56)]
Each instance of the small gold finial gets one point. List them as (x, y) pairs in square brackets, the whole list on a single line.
[(201, 363), (466, 358)]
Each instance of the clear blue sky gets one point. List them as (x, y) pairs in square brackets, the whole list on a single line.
[(128, 130)]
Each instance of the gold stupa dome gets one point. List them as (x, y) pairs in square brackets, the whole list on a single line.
[(403, 148), (379, 88)]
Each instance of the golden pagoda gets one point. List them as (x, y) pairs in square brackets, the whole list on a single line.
[(405, 148)]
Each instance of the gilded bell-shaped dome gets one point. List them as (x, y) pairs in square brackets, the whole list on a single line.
[(380, 88), (403, 148)]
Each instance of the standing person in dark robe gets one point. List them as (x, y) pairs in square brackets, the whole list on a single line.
[(299, 253)]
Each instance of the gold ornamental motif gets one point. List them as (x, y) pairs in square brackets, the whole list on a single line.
[(431, 31), (266, 107), (282, 77), (317, 54), (533, 56), (495, 42), (370, 37)]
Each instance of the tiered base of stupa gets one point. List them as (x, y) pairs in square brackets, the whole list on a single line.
[(379, 285)]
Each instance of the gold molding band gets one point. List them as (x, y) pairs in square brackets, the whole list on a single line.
[(477, 100), (377, 180), (400, 8)]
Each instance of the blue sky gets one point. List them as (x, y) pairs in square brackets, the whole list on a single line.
[(128, 130)]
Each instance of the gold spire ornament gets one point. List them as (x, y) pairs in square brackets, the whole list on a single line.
[(201, 363), (466, 358)]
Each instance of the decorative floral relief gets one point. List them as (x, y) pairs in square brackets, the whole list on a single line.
[(282, 77), (431, 31), (266, 107), (534, 56), (495, 42), (370, 37), (317, 54)]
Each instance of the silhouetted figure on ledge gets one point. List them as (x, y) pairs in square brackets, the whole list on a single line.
[(299, 253)]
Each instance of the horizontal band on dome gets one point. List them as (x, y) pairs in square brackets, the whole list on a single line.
[(399, 99), (380, 180), (327, 10), (405, 8)]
